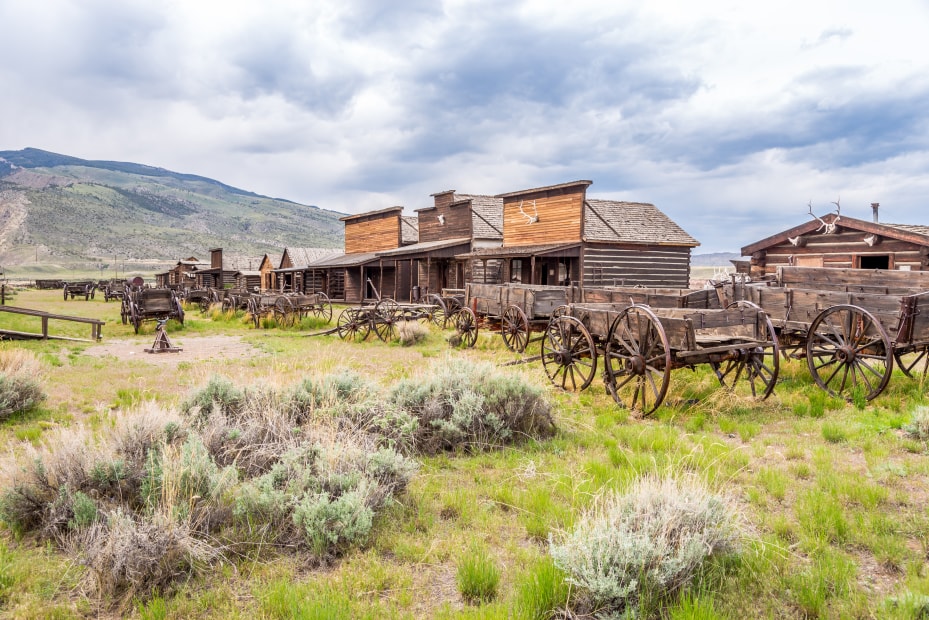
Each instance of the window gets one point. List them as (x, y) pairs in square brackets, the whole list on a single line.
[(516, 270), (874, 262)]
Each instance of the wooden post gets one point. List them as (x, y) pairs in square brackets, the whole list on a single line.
[(532, 270), (45, 327)]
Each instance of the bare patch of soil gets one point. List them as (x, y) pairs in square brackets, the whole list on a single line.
[(194, 348)]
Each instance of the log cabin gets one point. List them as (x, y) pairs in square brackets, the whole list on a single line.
[(360, 273), (181, 275), (222, 271), (455, 224), (556, 235), (836, 240), (293, 272)]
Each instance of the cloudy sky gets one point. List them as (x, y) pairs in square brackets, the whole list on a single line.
[(730, 116)]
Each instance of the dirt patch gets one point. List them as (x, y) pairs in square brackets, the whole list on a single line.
[(194, 348)]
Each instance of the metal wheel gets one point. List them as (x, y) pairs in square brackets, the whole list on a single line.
[(638, 361), (569, 355), (848, 351), (466, 326), (514, 328), (323, 307), (913, 366), (386, 316), (352, 324), (439, 315), (758, 365)]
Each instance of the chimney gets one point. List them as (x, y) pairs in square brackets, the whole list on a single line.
[(874, 207)]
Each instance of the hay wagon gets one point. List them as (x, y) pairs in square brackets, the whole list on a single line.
[(851, 326), (151, 304), (641, 345), (83, 289)]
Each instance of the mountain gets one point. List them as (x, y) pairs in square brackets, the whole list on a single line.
[(75, 213)]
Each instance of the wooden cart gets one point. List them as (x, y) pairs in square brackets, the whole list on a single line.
[(640, 346), (292, 308), (445, 305), (358, 322), (83, 289), (153, 304), (850, 325)]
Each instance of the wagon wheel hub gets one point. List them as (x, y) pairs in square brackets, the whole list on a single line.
[(636, 364), (562, 357), (846, 354)]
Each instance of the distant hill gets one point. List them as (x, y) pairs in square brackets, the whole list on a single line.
[(716, 259), (65, 211)]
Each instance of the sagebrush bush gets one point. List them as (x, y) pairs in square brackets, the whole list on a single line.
[(411, 332), (219, 393), (918, 428), (469, 405), (20, 387), (645, 544), (332, 524)]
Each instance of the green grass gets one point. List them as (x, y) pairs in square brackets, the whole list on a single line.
[(833, 493)]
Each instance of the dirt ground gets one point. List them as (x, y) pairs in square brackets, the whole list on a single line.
[(194, 348)]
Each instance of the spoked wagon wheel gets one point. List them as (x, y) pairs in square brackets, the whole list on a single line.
[(254, 310), (178, 311), (228, 304), (439, 315), (386, 316), (638, 360), (284, 312), (135, 317), (204, 303), (848, 350), (352, 325), (124, 311), (757, 364), (323, 307), (466, 326), (66, 292), (913, 366), (569, 354), (514, 327)]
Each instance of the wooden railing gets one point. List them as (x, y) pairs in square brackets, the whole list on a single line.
[(96, 325)]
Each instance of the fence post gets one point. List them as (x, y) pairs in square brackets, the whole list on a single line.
[(2, 294)]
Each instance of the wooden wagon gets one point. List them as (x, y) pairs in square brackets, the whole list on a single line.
[(516, 310), (292, 308), (203, 297), (152, 304), (850, 325), (640, 346), (113, 289), (83, 289), (445, 305), (382, 317)]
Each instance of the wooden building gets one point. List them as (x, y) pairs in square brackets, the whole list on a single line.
[(556, 235), (360, 273), (181, 275), (222, 271), (454, 225), (248, 280), (836, 240), (293, 272)]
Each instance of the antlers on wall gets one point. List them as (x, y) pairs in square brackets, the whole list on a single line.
[(827, 227), (530, 219)]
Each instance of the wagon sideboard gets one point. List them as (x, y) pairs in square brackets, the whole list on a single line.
[(537, 301), (878, 281), (655, 297)]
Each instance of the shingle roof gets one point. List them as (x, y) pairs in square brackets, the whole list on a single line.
[(301, 257), (425, 246), (632, 222), (409, 229), (486, 215), (237, 263), (919, 229), (524, 250), (345, 260)]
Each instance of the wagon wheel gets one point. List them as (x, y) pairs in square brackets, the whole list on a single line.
[(228, 304), (569, 354), (135, 317), (124, 311), (918, 365), (179, 311), (204, 303), (351, 325), (386, 316), (466, 326), (254, 309), (452, 305), (284, 312), (638, 360), (758, 364), (323, 307), (844, 357), (440, 314), (514, 327), (66, 292)]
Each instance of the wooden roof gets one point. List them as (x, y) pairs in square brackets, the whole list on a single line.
[(486, 215), (425, 247), (302, 257), (614, 221), (409, 229), (912, 233), (370, 213), (545, 189)]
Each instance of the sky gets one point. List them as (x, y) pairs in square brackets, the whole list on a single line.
[(730, 116)]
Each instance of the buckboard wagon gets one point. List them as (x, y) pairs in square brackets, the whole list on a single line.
[(850, 325), (640, 346), (83, 289), (152, 304)]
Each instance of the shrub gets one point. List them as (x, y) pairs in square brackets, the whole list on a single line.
[(20, 390), (918, 428), (129, 555), (646, 544), (472, 405), (477, 576), (333, 391), (411, 332), (219, 393), (334, 523)]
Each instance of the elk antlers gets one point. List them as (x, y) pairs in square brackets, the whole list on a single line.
[(530, 219), (827, 227)]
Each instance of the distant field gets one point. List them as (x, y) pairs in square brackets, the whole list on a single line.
[(832, 495)]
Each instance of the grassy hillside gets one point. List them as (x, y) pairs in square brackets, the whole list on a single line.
[(59, 210)]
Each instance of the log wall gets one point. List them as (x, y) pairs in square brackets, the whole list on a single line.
[(655, 266)]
